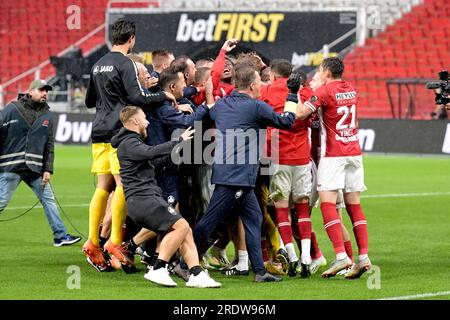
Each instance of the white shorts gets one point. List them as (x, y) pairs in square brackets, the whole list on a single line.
[(290, 181), (341, 173)]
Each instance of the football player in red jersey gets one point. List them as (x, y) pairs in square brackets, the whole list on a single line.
[(341, 166), (291, 172)]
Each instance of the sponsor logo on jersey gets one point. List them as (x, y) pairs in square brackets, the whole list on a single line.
[(247, 27), (45, 123), (351, 138), (313, 99), (345, 95)]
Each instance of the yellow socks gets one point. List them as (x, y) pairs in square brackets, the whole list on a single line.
[(96, 213), (119, 213)]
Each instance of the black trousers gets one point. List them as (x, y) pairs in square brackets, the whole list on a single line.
[(226, 199)]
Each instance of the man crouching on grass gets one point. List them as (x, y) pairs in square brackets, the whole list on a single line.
[(145, 204)]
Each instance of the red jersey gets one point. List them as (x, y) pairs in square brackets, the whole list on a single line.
[(220, 88), (293, 145), (336, 103), (305, 94)]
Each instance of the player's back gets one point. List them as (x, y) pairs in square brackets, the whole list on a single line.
[(338, 112), (106, 75), (110, 94), (293, 146)]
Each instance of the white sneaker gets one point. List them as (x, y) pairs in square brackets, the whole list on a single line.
[(317, 263), (357, 270), (160, 276), (202, 280), (343, 272), (337, 266)]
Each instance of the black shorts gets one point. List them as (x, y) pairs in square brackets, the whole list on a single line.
[(152, 212)]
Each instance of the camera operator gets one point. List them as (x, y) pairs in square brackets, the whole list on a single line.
[(442, 99), (440, 112)]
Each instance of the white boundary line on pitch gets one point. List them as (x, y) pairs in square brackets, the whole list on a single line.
[(400, 195), (73, 205), (89, 196), (418, 296), (392, 195)]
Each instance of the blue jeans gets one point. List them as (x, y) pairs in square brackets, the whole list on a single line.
[(8, 184), (223, 200)]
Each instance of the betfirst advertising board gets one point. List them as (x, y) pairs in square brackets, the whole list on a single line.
[(295, 36)]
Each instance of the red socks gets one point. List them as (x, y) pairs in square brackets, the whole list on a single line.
[(359, 227), (315, 251), (349, 249), (303, 220), (284, 226), (332, 225)]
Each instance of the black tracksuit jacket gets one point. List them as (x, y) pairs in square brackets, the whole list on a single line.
[(114, 84), (137, 162)]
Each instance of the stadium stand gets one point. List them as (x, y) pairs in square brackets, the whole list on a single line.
[(389, 10), (400, 46), (21, 33), (416, 46)]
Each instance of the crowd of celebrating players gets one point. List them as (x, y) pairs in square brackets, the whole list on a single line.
[(180, 217)]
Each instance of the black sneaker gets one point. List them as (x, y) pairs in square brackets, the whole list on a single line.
[(144, 257), (235, 272), (305, 270), (267, 277), (283, 257), (292, 271), (106, 268), (67, 240)]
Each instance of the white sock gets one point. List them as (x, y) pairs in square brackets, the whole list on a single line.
[(363, 257), (281, 242), (291, 252), (341, 256), (222, 252), (306, 251), (242, 260)]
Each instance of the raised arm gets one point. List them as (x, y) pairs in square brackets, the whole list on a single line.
[(219, 63), (135, 91)]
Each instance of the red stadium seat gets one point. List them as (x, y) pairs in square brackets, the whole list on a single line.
[(41, 34), (416, 46)]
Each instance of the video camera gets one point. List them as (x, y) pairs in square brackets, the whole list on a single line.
[(442, 88)]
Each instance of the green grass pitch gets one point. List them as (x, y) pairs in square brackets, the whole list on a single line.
[(407, 208)]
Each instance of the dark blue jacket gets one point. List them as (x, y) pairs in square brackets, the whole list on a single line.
[(166, 118), (237, 153), (24, 145)]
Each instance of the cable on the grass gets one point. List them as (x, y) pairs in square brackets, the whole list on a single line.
[(34, 205), (20, 215), (65, 214)]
